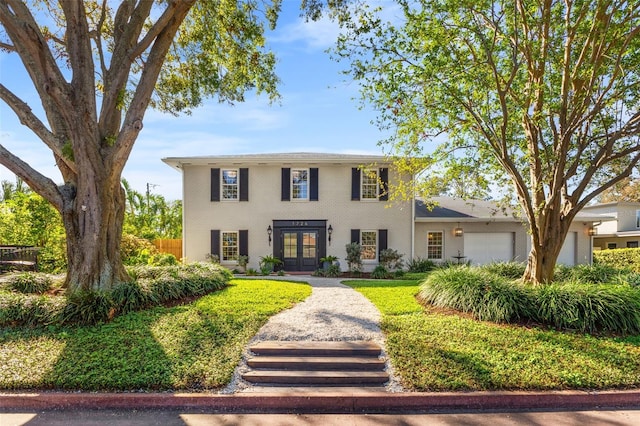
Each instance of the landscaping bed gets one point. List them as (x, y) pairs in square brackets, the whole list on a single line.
[(436, 349), (195, 346)]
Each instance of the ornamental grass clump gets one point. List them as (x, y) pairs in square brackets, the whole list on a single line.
[(151, 286), (486, 296), (589, 307), (29, 282), (512, 270), (570, 305)]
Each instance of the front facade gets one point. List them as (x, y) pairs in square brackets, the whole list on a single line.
[(301, 207), (297, 207), (621, 232)]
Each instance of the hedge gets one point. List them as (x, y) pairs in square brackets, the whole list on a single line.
[(628, 258)]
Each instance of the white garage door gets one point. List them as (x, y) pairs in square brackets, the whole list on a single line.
[(567, 254), (487, 247)]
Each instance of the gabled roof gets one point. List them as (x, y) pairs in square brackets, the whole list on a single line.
[(458, 210), (309, 158)]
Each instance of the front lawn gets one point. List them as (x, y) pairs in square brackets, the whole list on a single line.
[(190, 347), (437, 350)]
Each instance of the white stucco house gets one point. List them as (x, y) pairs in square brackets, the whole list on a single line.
[(301, 207), (623, 231)]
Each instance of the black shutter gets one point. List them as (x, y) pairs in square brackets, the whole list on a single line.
[(244, 184), (384, 184), (355, 236), (215, 184), (244, 242), (355, 184), (215, 242), (382, 240), (313, 183), (286, 184)]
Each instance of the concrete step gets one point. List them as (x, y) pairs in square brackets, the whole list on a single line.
[(326, 378), (305, 348), (306, 363)]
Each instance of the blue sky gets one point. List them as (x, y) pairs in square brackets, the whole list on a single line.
[(318, 112)]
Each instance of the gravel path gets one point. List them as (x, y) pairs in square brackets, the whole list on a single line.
[(333, 312)]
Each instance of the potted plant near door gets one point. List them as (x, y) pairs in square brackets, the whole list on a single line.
[(327, 261), (268, 264)]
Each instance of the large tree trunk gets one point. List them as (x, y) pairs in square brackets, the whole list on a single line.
[(93, 216), (547, 237)]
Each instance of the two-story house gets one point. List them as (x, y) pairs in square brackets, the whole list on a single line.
[(623, 231), (300, 207)]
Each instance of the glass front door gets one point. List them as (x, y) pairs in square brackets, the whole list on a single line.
[(300, 249)]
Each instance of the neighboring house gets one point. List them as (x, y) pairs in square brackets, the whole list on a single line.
[(623, 231), (301, 207)]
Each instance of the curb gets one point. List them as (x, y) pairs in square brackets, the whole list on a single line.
[(330, 403)]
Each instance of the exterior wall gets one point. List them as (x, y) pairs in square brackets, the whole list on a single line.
[(602, 243), (522, 241), (265, 206), (454, 245)]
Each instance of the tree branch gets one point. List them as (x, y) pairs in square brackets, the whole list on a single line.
[(27, 118), (40, 183)]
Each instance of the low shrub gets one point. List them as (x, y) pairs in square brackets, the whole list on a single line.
[(627, 258), (512, 270), (30, 282), (151, 286), (88, 307), (419, 264), (391, 259), (31, 310), (589, 307), (162, 259), (572, 305), (380, 273), (593, 274), (487, 296)]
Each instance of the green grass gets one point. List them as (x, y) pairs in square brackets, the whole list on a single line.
[(434, 350), (189, 347)]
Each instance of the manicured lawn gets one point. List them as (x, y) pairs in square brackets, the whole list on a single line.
[(191, 347), (436, 351)]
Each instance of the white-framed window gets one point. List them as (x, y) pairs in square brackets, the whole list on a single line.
[(435, 245), (611, 246), (370, 184), (229, 246), (299, 184), (230, 183), (369, 244)]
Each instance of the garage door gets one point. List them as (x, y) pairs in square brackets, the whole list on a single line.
[(485, 247)]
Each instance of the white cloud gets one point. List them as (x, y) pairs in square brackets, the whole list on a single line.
[(320, 34)]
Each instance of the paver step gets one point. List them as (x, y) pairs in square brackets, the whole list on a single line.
[(327, 348), (316, 377), (338, 363)]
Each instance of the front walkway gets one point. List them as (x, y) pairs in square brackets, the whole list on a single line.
[(333, 312)]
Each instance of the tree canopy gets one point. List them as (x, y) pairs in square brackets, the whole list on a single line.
[(96, 66), (539, 96)]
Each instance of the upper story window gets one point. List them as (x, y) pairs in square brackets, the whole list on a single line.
[(638, 219), (229, 184), (369, 244), (369, 184), (299, 184), (435, 245), (370, 181), (229, 246)]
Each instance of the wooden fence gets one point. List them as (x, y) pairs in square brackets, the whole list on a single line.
[(170, 246)]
